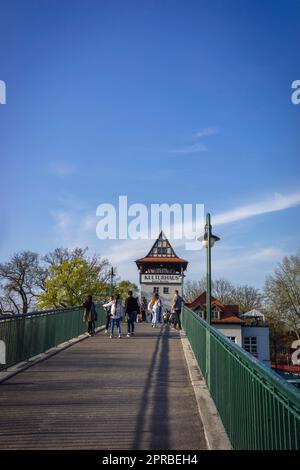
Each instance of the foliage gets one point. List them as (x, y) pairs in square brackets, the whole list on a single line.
[(72, 278), (123, 287)]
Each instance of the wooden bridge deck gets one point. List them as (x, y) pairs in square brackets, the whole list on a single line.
[(132, 393)]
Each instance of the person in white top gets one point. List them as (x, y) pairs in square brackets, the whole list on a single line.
[(116, 313), (155, 306)]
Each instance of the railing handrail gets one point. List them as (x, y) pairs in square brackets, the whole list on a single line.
[(27, 335), (262, 371), (42, 312)]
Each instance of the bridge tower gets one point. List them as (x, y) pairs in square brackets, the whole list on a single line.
[(161, 271)]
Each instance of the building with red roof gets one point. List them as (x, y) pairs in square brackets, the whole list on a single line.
[(226, 318)]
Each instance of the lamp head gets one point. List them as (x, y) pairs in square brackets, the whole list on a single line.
[(204, 239)]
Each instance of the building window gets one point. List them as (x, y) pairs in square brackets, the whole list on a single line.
[(215, 314), (166, 290), (250, 344), (155, 290), (232, 338)]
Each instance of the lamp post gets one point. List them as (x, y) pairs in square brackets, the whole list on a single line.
[(208, 240), (182, 281), (111, 280)]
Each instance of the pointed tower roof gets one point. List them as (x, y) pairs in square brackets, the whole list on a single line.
[(162, 252)]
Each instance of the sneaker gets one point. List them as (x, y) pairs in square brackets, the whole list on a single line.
[(106, 331), (128, 335), (132, 334), (111, 337), (119, 336)]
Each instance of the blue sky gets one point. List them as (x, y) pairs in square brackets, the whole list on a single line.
[(162, 101)]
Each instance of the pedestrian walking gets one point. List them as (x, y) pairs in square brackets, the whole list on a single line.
[(108, 314), (144, 308), (116, 313), (177, 305), (131, 310), (156, 307), (90, 315)]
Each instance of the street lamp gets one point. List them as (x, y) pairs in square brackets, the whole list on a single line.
[(111, 280), (208, 240), (182, 280)]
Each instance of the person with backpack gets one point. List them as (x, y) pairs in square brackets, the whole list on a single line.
[(116, 314), (90, 315), (177, 305), (131, 310)]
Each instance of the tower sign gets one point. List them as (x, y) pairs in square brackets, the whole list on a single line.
[(161, 271)]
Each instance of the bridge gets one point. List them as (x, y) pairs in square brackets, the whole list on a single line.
[(161, 389)]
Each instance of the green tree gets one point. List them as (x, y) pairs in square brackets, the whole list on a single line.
[(71, 279), (123, 287)]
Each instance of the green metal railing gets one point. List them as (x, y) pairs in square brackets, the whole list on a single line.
[(258, 408), (25, 336)]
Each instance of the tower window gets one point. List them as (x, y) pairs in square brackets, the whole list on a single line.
[(166, 290), (155, 290)]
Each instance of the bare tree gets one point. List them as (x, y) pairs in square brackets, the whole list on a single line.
[(192, 289), (223, 290), (247, 297), (21, 278), (57, 256), (282, 293)]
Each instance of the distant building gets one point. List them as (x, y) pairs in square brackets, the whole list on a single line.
[(252, 335), (161, 271)]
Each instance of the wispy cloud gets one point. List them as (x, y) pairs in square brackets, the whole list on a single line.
[(277, 202), (63, 168), (73, 228), (195, 148), (207, 132)]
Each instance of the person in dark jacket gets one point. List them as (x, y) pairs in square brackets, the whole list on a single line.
[(177, 305), (90, 315), (131, 310)]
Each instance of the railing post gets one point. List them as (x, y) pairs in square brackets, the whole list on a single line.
[(208, 296)]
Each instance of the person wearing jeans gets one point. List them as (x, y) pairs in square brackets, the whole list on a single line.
[(130, 323), (131, 310), (177, 305), (156, 307), (113, 322), (116, 313)]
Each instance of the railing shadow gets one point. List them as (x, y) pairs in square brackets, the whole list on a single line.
[(157, 397)]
